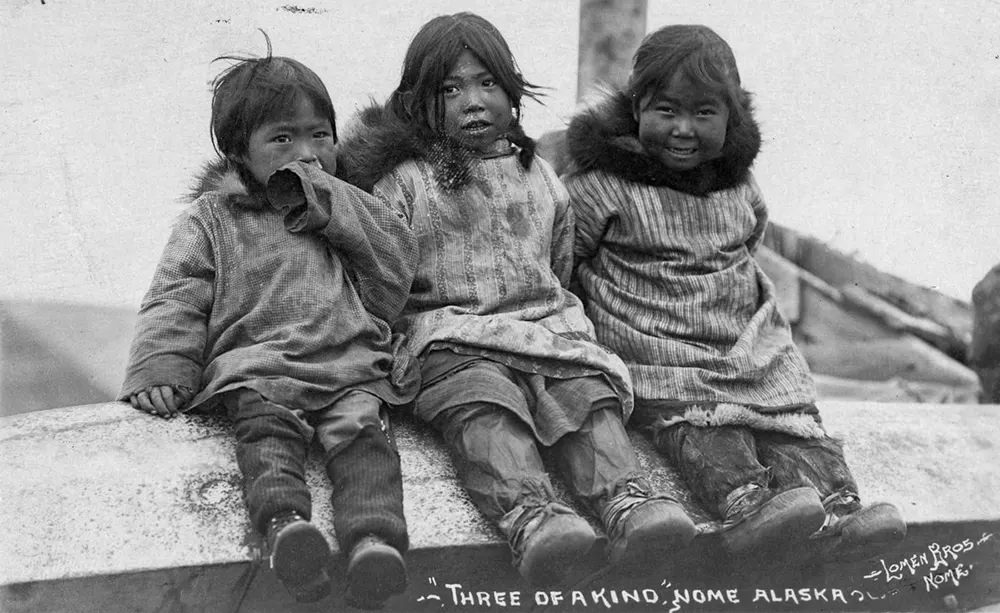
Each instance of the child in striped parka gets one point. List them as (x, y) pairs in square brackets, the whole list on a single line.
[(668, 217)]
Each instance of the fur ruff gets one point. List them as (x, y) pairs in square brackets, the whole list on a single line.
[(728, 414), (605, 137), (376, 142), (223, 176)]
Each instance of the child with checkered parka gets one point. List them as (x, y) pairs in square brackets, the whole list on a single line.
[(272, 299)]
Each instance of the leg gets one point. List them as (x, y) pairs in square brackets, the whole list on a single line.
[(601, 468), (496, 457), (598, 459), (815, 462), (714, 462), (851, 531), (499, 465), (720, 466), (363, 466), (271, 448)]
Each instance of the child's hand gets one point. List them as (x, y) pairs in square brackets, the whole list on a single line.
[(160, 400)]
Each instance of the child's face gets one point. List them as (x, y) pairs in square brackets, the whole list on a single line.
[(304, 136), (477, 111), (682, 125)]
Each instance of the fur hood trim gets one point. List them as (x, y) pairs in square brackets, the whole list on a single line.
[(725, 414), (223, 176), (376, 142), (605, 137)]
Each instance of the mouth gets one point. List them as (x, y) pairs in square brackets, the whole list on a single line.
[(476, 127), (682, 151)]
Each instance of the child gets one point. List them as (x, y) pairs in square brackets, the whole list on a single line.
[(507, 356), (668, 217), (271, 298)]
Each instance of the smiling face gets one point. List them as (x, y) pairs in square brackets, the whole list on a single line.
[(682, 125), (477, 111), (304, 136)]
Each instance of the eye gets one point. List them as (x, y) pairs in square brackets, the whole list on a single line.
[(489, 82), (322, 134), (666, 109), (707, 112), (281, 139), (449, 90)]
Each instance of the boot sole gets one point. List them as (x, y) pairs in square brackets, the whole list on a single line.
[(786, 519), (300, 558), (566, 541), (652, 539), (375, 574)]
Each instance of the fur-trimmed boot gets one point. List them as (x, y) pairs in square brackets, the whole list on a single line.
[(756, 520), (643, 527), (546, 540), (852, 533)]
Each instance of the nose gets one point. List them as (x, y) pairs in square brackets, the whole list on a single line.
[(305, 153), (473, 100), (683, 126)]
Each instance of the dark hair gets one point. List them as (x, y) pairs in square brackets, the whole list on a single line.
[(254, 91), (434, 51), (696, 53)]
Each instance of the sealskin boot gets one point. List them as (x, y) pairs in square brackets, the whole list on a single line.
[(853, 533), (642, 527), (546, 540), (757, 521)]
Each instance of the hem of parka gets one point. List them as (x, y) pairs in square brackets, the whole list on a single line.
[(801, 420)]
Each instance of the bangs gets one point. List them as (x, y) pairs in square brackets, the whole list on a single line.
[(698, 70), (258, 91), (694, 53), (281, 104)]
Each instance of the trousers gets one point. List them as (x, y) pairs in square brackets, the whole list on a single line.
[(272, 445), (500, 464), (714, 461)]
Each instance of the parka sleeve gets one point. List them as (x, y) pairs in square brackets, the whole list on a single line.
[(172, 326), (373, 236), (594, 209), (760, 213)]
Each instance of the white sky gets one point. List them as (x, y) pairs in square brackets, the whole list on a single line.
[(881, 120)]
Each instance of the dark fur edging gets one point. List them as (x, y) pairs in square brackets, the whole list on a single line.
[(605, 137)]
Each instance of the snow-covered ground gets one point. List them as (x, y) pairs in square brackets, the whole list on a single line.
[(881, 120)]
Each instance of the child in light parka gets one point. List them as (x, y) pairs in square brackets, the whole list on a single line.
[(507, 356), (272, 299), (668, 217)]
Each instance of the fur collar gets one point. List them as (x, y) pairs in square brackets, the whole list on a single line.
[(376, 142), (223, 176), (604, 137)]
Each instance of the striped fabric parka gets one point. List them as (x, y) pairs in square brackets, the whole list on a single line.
[(496, 241), (665, 261)]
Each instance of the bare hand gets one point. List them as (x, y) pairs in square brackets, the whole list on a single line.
[(160, 400)]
